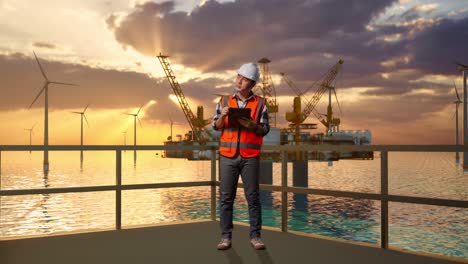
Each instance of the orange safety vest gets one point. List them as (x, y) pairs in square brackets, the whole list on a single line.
[(246, 140)]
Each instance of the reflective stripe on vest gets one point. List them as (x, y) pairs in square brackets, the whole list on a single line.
[(242, 139), (241, 145)]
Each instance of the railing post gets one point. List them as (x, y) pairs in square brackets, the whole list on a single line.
[(118, 190), (0, 169), (384, 198), (284, 192), (213, 184)]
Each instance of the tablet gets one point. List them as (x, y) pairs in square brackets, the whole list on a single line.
[(235, 114)]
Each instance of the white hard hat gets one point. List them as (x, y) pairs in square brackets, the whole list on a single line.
[(249, 71)]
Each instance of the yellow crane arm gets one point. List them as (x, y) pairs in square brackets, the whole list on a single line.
[(290, 83), (324, 85), (163, 59), (293, 87)]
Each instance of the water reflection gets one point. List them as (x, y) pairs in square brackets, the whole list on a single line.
[(44, 205), (81, 160), (134, 158), (300, 202), (347, 218)]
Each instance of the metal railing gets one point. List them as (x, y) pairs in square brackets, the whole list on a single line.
[(384, 197)]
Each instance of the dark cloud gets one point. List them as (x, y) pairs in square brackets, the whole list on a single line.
[(413, 13), (219, 36), (294, 34), (44, 45), (436, 49), (408, 108), (104, 89), (111, 21), (298, 37), (22, 80)]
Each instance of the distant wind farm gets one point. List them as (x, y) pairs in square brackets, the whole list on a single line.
[(45, 89)]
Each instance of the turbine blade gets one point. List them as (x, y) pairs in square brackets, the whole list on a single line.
[(75, 112), (86, 108), (40, 67), (139, 109), (456, 91), (86, 119), (338, 102), (40, 92), (461, 65), (139, 122), (62, 83), (454, 115)]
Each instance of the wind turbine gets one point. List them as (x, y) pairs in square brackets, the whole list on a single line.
[(457, 104), (81, 141), (45, 89), (135, 117), (464, 68), (30, 133)]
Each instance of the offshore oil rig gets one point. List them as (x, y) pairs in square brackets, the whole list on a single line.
[(297, 132)]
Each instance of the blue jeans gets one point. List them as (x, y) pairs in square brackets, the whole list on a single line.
[(229, 170)]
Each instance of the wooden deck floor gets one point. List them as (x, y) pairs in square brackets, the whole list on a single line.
[(194, 243)]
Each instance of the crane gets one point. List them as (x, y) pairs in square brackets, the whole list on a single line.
[(197, 123), (297, 117)]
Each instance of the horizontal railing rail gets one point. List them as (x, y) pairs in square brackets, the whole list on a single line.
[(384, 197), (101, 147), (105, 188), (378, 148)]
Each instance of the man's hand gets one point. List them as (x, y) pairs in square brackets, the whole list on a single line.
[(220, 121), (224, 111), (247, 122), (250, 124)]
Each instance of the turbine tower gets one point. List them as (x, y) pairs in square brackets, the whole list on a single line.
[(457, 104), (45, 89), (30, 137), (135, 117), (125, 138), (172, 124), (81, 141), (463, 69)]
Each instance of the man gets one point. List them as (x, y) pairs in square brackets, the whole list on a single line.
[(239, 150)]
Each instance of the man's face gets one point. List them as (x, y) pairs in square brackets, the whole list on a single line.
[(243, 83)]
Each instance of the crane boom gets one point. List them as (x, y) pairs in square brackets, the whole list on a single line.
[(298, 92), (324, 85), (197, 131), (291, 84)]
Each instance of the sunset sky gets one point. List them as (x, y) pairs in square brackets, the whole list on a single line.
[(397, 78)]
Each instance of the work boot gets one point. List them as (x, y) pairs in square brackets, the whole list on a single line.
[(224, 244), (257, 243)]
